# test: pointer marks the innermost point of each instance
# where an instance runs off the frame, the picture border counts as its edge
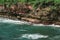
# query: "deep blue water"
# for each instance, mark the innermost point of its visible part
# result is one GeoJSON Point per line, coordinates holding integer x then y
{"type": "Point", "coordinates": [11, 31]}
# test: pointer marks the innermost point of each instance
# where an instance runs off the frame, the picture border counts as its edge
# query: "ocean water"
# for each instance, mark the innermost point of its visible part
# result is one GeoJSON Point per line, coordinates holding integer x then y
{"type": "Point", "coordinates": [20, 30]}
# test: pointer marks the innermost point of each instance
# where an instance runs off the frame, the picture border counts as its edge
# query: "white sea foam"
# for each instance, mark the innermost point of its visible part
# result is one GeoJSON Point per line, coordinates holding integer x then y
{"type": "Point", "coordinates": [53, 25]}
{"type": "Point", "coordinates": [32, 36]}
{"type": "Point", "coordinates": [5, 20]}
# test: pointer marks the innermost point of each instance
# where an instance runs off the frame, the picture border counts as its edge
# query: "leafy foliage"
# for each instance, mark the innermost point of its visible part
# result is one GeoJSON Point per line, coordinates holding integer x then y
{"type": "Point", "coordinates": [33, 2]}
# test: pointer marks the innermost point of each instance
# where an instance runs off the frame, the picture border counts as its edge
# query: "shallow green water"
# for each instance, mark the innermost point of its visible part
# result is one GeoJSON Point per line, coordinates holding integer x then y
{"type": "Point", "coordinates": [10, 31]}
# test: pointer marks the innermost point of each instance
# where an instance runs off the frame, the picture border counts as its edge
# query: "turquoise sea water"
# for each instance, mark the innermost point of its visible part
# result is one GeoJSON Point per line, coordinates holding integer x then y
{"type": "Point", "coordinates": [9, 30]}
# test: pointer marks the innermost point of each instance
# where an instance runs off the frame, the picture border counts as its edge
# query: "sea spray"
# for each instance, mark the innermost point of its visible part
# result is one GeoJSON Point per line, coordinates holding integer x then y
{"type": "Point", "coordinates": [32, 36]}
{"type": "Point", "coordinates": [6, 20]}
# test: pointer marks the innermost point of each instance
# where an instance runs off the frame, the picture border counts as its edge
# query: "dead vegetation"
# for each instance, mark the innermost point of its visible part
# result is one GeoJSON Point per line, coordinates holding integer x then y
{"type": "Point", "coordinates": [47, 12]}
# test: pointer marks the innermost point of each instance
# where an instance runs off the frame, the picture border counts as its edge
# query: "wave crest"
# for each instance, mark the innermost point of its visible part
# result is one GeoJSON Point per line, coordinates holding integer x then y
{"type": "Point", "coordinates": [32, 36]}
{"type": "Point", "coordinates": [5, 20]}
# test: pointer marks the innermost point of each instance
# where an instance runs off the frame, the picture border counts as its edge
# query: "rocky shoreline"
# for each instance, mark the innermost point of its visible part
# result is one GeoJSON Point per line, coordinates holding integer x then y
{"type": "Point", "coordinates": [43, 14]}
{"type": "Point", "coordinates": [32, 21]}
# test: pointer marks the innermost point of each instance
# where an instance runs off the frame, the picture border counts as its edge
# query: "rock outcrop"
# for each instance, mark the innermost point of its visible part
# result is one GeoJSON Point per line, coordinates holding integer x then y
{"type": "Point", "coordinates": [44, 14]}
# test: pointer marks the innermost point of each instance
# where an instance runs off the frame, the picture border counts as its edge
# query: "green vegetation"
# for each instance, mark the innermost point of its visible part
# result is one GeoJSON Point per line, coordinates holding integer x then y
{"type": "Point", "coordinates": [33, 2]}
{"type": "Point", "coordinates": [44, 10]}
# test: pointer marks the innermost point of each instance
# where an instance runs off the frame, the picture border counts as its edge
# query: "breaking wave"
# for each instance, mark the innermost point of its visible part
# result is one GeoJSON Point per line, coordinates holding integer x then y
{"type": "Point", "coordinates": [5, 20]}
{"type": "Point", "coordinates": [53, 25]}
{"type": "Point", "coordinates": [32, 36]}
